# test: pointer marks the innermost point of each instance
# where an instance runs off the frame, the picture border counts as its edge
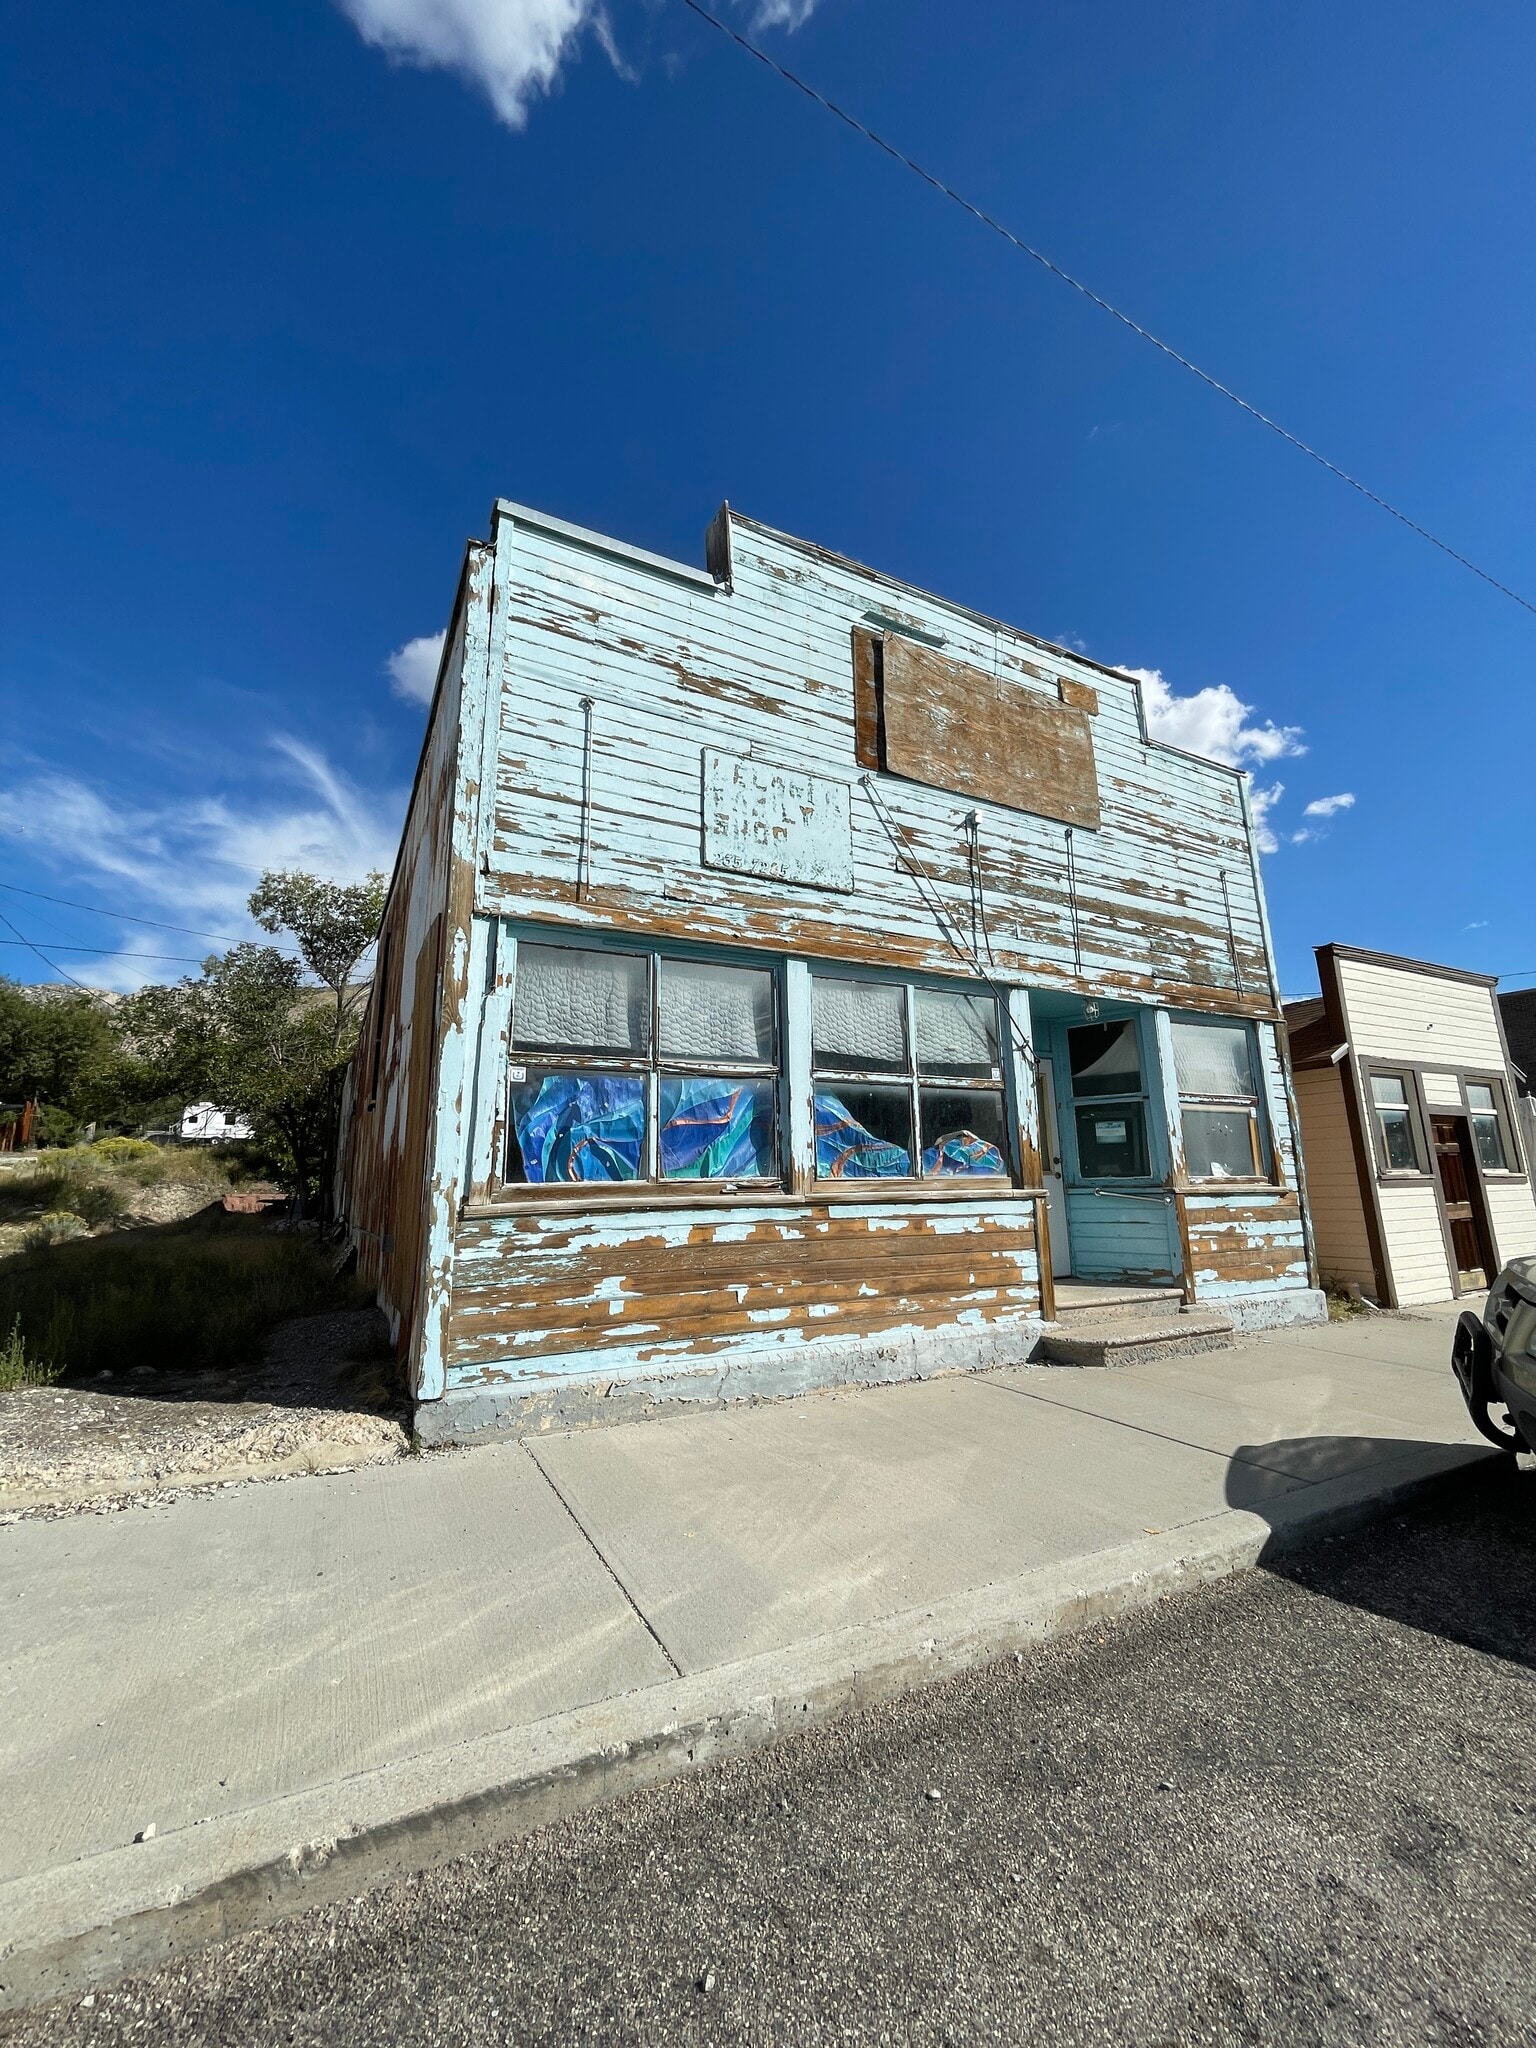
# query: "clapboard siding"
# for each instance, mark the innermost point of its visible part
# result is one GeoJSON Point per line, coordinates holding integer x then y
{"type": "Point", "coordinates": [1401, 1014]}
{"type": "Point", "coordinates": [1333, 1181]}
{"type": "Point", "coordinates": [669, 667]}
{"type": "Point", "coordinates": [1512, 1212]}
{"type": "Point", "coordinates": [537, 1295]}
{"type": "Point", "coordinates": [1410, 1222]}
{"type": "Point", "coordinates": [1240, 1245]}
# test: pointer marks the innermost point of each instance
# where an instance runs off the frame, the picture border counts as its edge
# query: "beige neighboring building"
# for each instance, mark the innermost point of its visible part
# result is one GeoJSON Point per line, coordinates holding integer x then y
{"type": "Point", "coordinates": [1416, 1172]}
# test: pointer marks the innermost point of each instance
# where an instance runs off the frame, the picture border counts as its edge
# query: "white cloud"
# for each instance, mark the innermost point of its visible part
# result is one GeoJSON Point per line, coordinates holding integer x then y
{"type": "Point", "coordinates": [1217, 723]}
{"type": "Point", "coordinates": [1214, 721]}
{"type": "Point", "coordinates": [513, 50]}
{"type": "Point", "coordinates": [413, 668]}
{"type": "Point", "coordinates": [195, 861]}
{"type": "Point", "coordinates": [1330, 806]}
{"type": "Point", "coordinates": [1261, 802]}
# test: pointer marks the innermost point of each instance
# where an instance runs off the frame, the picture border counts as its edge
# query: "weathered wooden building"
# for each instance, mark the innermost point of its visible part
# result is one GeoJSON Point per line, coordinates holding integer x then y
{"type": "Point", "coordinates": [786, 976]}
{"type": "Point", "coordinates": [1417, 1169]}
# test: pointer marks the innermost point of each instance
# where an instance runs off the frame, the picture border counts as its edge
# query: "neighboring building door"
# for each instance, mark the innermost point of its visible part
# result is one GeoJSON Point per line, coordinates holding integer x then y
{"type": "Point", "coordinates": [1461, 1200]}
{"type": "Point", "coordinates": [1050, 1170]}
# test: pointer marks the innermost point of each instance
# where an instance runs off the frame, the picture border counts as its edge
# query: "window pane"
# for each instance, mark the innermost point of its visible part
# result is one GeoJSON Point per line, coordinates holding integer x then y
{"type": "Point", "coordinates": [1112, 1142]}
{"type": "Point", "coordinates": [716, 1013]}
{"type": "Point", "coordinates": [1105, 1059]}
{"type": "Point", "coordinates": [577, 1127]}
{"type": "Point", "coordinates": [863, 1133]}
{"type": "Point", "coordinates": [963, 1130]}
{"type": "Point", "coordinates": [956, 1034]}
{"type": "Point", "coordinates": [858, 1026]}
{"type": "Point", "coordinates": [567, 1000]}
{"type": "Point", "coordinates": [1490, 1141]}
{"type": "Point", "coordinates": [1480, 1097]}
{"type": "Point", "coordinates": [1388, 1089]}
{"type": "Point", "coordinates": [1218, 1144]}
{"type": "Point", "coordinates": [1213, 1059]}
{"type": "Point", "coordinates": [716, 1129]}
{"type": "Point", "coordinates": [1398, 1140]}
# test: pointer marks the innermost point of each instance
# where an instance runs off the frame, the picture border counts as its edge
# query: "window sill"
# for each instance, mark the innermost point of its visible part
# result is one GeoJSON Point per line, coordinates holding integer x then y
{"type": "Point", "coordinates": [1401, 1177]}
{"type": "Point", "coordinates": [1234, 1184]}
{"type": "Point", "coordinates": [649, 1199]}
{"type": "Point", "coordinates": [1504, 1176]}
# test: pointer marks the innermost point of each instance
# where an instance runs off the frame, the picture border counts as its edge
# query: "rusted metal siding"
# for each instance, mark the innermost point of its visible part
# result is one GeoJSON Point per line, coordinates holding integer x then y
{"type": "Point", "coordinates": [539, 1296]}
{"type": "Point", "coordinates": [1140, 910]}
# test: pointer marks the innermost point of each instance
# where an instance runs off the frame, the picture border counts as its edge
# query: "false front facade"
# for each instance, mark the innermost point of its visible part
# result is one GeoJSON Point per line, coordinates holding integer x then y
{"type": "Point", "coordinates": [788, 977]}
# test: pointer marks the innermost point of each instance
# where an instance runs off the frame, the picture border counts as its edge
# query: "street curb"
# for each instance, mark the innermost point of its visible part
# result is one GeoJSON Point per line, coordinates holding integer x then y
{"type": "Point", "coordinates": [135, 1907]}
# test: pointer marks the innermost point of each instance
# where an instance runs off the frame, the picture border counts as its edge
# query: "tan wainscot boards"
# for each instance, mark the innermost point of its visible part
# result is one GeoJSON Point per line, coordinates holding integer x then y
{"type": "Point", "coordinates": [791, 978]}
{"type": "Point", "coordinates": [1416, 1161]}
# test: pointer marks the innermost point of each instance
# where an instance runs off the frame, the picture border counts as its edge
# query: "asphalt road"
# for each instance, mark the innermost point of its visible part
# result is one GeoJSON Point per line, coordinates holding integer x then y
{"type": "Point", "coordinates": [1299, 1807]}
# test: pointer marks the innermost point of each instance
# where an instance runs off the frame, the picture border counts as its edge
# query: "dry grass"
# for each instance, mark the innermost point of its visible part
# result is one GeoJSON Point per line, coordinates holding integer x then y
{"type": "Point", "coordinates": [182, 1296]}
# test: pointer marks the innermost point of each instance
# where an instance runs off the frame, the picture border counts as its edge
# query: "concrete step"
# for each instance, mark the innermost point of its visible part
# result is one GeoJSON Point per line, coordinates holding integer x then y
{"type": "Point", "coordinates": [1133, 1340]}
{"type": "Point", "coordinates": [1094, 1304]}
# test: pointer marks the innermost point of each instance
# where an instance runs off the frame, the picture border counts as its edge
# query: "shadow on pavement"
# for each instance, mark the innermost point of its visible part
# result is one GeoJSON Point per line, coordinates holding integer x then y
{"type": "Point", "coordinates": [1460, 1564]}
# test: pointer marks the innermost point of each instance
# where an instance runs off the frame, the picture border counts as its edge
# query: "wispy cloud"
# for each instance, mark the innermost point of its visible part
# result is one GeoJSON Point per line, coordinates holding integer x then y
{"type": "Point", "coordinates": [1330, 806]}
{"type": "Point", "coordinates": [413, 668]}
{"type": "Point", "coordinates": [1217, 723]}
{"type": "Point", "coordinates": [194, 862]}
{"type": "Point", "coordinates": [513, 50]}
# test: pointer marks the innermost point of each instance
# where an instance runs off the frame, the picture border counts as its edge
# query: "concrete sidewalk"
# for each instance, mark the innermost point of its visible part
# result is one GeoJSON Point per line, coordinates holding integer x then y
{"type": "Point", "coordinates": [304, 1684]}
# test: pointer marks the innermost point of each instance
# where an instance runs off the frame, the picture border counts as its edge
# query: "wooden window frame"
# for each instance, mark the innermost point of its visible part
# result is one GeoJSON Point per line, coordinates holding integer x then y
{"type": "Point", "coordinates": [872, 1187]}
{"type": "Point", "coordinates": [1513, 1168]}
{"type": "Point", "coordinates": [651, 1187]}
{"type": "Point", "coordinates": [1261, 1137]}
{"type": "Point", "coordinates": [1413, 1103]}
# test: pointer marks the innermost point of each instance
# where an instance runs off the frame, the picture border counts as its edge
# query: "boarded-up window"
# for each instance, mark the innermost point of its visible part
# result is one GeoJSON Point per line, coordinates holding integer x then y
{"type": "Point", "coordinates": [956, 727]}
{"type": "Point", "coordinates": [868, 714]}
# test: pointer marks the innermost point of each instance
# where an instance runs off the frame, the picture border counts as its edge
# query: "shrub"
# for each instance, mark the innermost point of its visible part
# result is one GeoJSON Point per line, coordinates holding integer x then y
{"type": "Point", "coordinates": [56, 1226]}
{"type": "Point", "coordinates": [118, 1151]}
{"type": "Point", "coordinates": [21, 1368]}
{"type": "Point", "coordinates": [63, 1184]}
{"type": "Point", "coordinates": [178, 1297]}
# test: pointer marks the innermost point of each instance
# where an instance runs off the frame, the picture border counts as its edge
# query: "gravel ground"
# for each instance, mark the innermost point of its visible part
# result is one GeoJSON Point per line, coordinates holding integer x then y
{"type": "Point", "coordinates": [320, 1398]}
{"type": "Point", "coordinates": [1294, 1808]}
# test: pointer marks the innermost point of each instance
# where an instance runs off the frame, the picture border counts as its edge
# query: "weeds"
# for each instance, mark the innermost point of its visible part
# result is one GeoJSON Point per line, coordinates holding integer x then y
{"type": "Point", "coordinates": [19, 1368]}
{"type": "Point", "coordinates": [180, 1297]}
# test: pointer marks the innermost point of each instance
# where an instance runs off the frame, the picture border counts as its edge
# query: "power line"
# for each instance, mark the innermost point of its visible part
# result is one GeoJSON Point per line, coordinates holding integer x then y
{"type": "Point", "coordinates": [53, 965]}
{"type": "Point", "coordinates": [1037, 256]}
{"type": "Point", "coordinates": [188, 959]}
{"type": "Point", "coordinates": [69, 903]}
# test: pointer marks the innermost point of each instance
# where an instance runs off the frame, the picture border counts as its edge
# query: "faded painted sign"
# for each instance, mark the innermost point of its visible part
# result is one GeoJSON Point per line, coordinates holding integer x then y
{"type": "Point", "coordinates": [775, 822]}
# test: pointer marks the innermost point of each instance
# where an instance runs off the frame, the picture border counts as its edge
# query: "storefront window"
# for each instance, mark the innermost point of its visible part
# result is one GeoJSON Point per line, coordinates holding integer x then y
{"type": "Point", "coordinates": [1219, 1099]}
{"type": "Point", "coordinates": [1109, 1101]}
{"type": "Point", "coordinates": [908, 1081]}
{"type": "Point", "coordinates": [650, 1067]}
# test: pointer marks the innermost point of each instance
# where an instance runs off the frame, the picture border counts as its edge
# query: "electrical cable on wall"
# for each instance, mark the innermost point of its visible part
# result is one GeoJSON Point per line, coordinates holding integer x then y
{"type": "Point", "coordinates": [1215, 384]}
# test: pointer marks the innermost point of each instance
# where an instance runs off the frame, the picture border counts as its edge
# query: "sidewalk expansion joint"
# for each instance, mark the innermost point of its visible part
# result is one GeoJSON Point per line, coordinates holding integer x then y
{"type": "Point", "coordinates": [634, 1605]}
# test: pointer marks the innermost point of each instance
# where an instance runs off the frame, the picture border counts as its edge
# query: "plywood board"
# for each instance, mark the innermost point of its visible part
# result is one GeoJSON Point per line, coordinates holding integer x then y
{"type": "Point", "coordinates": [956, 727]}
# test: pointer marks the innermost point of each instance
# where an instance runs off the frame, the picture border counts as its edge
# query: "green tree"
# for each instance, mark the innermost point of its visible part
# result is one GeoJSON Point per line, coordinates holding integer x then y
{"type": "Point", "coordinates": [334, 924]}
{"type": "Point", "coordinates": [58, 1048]}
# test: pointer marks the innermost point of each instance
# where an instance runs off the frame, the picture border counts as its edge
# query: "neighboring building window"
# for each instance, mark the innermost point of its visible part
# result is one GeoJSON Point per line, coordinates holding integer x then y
{"type": "Point", "coordinates": [1487, 1127]}
{"type": "Point", "coordinates": [908, 1081]}
{"type": "Point", "coordinates": [1396, 1124]}
{"type": "Point", "coordinates": [647, 1068]}
{"type": "Point", "coordinates": [1219, 1099]}
{"type": "Point", "coordinates": [1108, 1101]}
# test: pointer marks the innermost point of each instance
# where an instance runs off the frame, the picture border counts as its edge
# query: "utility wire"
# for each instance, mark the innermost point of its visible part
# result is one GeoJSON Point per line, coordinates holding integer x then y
{"type": "Point", "coordinates": [1037, 256]}
{"type": "Point", "coordinates": [188, 959]}
{"type": "Point", "coordinates": [53, 965]}
{"type": "Point", "coordinates": [69, 903]}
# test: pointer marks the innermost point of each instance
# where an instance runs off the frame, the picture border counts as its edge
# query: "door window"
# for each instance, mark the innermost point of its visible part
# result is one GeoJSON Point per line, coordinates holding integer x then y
{"type": "Point", "coordinates": [1108, 1101]}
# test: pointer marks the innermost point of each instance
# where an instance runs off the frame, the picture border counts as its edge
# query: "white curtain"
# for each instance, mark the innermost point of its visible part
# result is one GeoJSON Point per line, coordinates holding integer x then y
{"type": "Point", "coordinates": [716, 1013]}
{"type": "Point", "coordinates": [569, 1000]}
{"type": "Point", "coordinates": [858, 1024]}
{"type": "Point", "coordinates": [956, 1034]}
{"type": "Point", "coordinates": [1213, 1059]}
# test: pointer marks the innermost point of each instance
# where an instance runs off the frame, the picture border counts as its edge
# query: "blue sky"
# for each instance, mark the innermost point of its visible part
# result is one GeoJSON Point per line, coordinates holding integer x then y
{"type": "Point", "coordinates": [284, 303]}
